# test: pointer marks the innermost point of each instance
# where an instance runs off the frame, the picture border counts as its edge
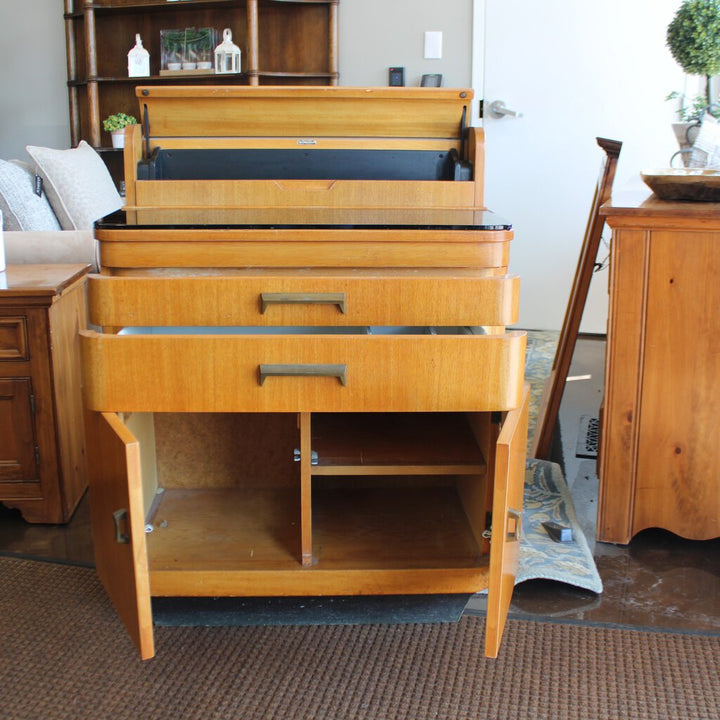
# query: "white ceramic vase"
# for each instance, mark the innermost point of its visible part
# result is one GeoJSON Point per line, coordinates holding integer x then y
{"type": "Point", "coordinates": [118, 138]}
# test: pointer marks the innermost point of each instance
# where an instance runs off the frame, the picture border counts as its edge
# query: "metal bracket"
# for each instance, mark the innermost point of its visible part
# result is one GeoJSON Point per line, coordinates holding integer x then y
{"type": "Point", "coordinates": [314, 459]}
{"type": "Point", "coordinates": [146, 129]}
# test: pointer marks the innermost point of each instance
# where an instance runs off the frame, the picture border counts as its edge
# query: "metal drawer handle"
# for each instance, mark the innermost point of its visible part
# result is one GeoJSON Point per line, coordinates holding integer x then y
{"type": "Point", "coordinates": [302, 299]}
{"type": "Point", "coordinates": [514, 524]}
{"type": "Point", "coordinates": [120, 516]}
{"type": "Point", "coordinates": [338, 371]}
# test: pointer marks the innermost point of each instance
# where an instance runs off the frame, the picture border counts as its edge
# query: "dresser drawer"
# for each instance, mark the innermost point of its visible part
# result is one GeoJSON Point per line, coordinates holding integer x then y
{"type": "Point", "coordinates": [294, 373]}
{"type": "Point", "coordinates": [13, 338]}
{"type": "Point", "coordinates": [305, 297]}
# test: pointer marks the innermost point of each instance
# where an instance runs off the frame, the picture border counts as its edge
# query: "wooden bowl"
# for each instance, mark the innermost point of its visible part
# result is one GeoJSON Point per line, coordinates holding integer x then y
{"type": "Point", "coordinates": [696, 184]}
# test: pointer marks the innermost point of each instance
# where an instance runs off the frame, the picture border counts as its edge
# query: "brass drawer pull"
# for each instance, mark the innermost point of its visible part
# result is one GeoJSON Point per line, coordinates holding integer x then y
{"type": "Point", "coordinates": [514, 524]}
{"type": "Point", "coordinates": [314, 370]}
{"type": "Point", "coordinates": [302, 299]}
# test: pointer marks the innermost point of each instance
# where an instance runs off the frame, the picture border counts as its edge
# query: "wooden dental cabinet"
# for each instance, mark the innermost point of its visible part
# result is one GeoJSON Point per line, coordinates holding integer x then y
{"type": "Point", "coordinates": [659, 461]}
{"type": "Point", "coordinates": [305, 386]}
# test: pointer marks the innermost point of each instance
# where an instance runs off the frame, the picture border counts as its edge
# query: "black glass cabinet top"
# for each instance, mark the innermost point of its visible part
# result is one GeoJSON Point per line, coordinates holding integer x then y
{"type": "Point", "coordinates": [322, 218]}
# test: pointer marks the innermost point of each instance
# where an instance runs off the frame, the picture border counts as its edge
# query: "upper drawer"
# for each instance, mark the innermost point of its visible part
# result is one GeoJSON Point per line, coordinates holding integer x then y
{"type": "Point", "coordinates": [297, 297]}
{"type": "Point", "coordinates": [13, 338]}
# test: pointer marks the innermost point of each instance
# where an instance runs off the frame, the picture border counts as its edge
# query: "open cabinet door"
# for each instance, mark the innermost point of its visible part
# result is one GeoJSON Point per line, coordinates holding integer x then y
{"type": "Point", "coordinates": [118, 524]}
{"type": "Point", "coordinates": [506, 522]}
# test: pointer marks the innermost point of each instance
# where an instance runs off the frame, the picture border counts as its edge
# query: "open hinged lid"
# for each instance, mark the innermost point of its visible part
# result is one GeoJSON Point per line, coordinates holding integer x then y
{"type": "Point", "coordinates": [296, 147]}
{"type": "Point", "coordinates": [173, 112]}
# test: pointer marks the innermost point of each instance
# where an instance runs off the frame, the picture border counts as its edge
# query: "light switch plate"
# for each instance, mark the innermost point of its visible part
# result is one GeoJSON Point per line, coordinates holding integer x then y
{"type": "Point", "coordinates": [433, 45]}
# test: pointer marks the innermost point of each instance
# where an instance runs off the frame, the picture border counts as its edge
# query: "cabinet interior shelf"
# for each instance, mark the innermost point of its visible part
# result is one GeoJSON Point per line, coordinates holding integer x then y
{"type": "Point", "coordinates": [179, 78]}
{"type": "Point", "coordinates": [389, 489]}
{"type": "Point", "coordinates": [159, 5]}
{"type": "Point", "coordinates": [254, 529]}
{"type": "Point", "coordinates": [135, 5]}
{"type": "Point", "coordinates": [394, 444]}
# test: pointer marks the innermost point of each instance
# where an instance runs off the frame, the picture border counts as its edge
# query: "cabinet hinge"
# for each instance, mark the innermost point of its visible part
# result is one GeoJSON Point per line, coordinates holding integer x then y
{"type": "Point", "coordinates": [32, 403]}
{"type": "Point", "coordinates": [313, 456]}
{"type": "Point", "coordinates": [487, 533]}
{"type": "Point", "coordinates": [37, 455]}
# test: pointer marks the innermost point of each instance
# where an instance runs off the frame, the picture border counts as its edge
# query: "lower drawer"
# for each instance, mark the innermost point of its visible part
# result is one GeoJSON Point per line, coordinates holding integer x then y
{"type": "Point", "coordinates": [298, 373]}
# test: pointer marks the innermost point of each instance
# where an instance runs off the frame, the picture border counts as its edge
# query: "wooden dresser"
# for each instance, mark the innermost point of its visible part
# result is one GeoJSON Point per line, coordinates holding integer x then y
{"type": "Point", "coordinates": [304, 384]}
{"type": "Point", "coordinates": [42, 443]}
{"type": "Point", "coordinates": [659, 461]}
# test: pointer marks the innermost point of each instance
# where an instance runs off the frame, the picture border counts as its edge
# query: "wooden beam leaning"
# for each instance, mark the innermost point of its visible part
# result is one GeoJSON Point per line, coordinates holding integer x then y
{"type": "Point", "coordinates": [555, 384]}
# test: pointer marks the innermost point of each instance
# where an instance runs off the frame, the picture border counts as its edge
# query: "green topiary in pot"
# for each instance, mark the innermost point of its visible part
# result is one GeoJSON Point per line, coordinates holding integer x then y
{"type": "Point", "coordinates": [693, 37]}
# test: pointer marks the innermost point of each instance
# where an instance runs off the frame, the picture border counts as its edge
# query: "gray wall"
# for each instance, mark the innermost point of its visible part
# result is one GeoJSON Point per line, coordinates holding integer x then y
{"type": "Point", "coordinates": [378, 34]}
{"type": "Point", "coordinates": [33, 77]}
{"type": "Point", "coordinates": [374, 35]}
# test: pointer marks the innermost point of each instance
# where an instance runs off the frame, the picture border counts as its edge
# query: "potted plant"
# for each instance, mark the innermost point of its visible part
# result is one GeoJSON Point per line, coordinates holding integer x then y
{"type": "Point", "coordinates": [115, 125]}
{"type": "Point", "coordinates": [690, 112]}
{"type": "Point", "coordinates": [172, 45]}
{"type": "Point", "coordinates": [207, 40]}
{"type": "Point", "coordinates": [693, 37]}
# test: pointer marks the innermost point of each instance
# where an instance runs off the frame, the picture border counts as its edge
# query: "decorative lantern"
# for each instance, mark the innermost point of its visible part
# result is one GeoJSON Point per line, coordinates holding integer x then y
{"type": "Point", "coordinates": [227, 55]}
{"type": "Point", "coordinates": [138, 60]}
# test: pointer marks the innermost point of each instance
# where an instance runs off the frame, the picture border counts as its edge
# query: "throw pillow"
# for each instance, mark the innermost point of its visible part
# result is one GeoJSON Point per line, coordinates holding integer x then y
{"type": "Point", "coordinates": [22, 209]}
{"type": "Point", "coordinates": [78, 185]}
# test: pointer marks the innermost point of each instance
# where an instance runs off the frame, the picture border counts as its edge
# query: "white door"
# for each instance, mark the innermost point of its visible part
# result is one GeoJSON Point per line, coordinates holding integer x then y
{"type": "Point", "coordinates": [576, 70]}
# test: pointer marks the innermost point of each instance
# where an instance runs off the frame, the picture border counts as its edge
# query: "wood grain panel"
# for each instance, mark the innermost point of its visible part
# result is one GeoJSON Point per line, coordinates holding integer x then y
{"type": "Point", "coordinates": [13, 338]}
{"type": "Point", "coordinates": [226, 450]}
{"type": "Point", "coordinates": [194, 254]}
{"type": "Point", "coordinates": [184, 373]}
{"type": "Point", "coordinates": [17, 453]}
{"type": "Point", "coordinates": [115, 487]}
{"type": "Point", "coordinates": [625, 345]}
{"type": "Point", "coordinates": [306, 112]}
{"type": "Point", "coordinates": [677, 485]}
{"type": "Point", "coordinates": [443, 299]}
{"type": "Point", "coordinates": [506, 521]}
{"type": "Point", "coordinates": [280, 194]}
{"type": "Point", "coordinates": [67, 319]}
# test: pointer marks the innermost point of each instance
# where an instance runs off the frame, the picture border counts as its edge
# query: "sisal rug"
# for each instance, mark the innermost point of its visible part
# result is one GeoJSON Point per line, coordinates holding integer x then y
{"type": "Point", "coordinates": [65, 656]}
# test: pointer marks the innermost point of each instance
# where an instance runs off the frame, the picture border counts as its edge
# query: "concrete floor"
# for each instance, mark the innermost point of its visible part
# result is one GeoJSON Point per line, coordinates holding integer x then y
{"type": "Point", "coordinates": [657, 581]}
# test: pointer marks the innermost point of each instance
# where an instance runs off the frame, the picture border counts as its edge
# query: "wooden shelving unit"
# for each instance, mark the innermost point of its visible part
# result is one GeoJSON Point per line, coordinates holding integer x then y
{"type": "Point", "coordinates": [283, 42]}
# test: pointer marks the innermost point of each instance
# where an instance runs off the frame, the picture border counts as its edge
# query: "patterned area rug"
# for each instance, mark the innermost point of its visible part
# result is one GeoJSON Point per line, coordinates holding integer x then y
{"type": "Point", "coordinates": [539, 357]}
{"type": "Point", "coordinates": [547, 498]}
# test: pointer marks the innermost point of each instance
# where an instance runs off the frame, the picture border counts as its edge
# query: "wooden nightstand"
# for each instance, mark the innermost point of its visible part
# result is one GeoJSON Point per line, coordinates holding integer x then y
{"type": "Point", "coordinates": [659, 460]}
{"type": "Point", "coordinates": [42, 451]}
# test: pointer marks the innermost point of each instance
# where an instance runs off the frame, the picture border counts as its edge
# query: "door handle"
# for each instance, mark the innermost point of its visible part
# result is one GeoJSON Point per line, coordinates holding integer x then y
{"type": "Point", "coordinates": [120, 517]}
{"type": "Point", "coordinates": [267, 299]}
{"type": "Point", "coordinates": [514, 524]}
{"type": "Point", "coordinates": [499, 110]}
